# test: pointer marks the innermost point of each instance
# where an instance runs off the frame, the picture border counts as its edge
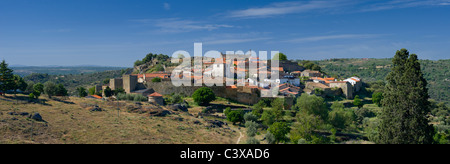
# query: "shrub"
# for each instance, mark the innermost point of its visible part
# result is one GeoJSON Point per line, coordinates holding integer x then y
{"type": "Point", "coordinates": [227, 110]}
{"type": "Point", "coordinates": [177, 98]}
{"type": "Point", "coordinates": [139, 98]}
{"type": "Point", "coordinates": [91, 91]}
{"type": "Point", "coordinates": [268, 118]}
{"type": "Point", "coordinates": [131, 97]}
{"type": "Point", "coordinates": [235, 116]}
{"type": "Point", "coordinates": [258, 108]}
{"type": "Point", "coordinates": [156, 80]}
{"type": "Point", "coordinates": [31, 96]}
{"type": "Point", "coordinates": [250, 117]}
{"type": "Point", "coordinates": [252, 141]}
{"type": "Point", "coordinates": [203, 96]}
{"type": "Point", "coordinates": [121, 96]}
{"type": "Point", "coordinates": [279, 130]}
{"type": "Point", "coordinates": [108, 92]}
{"type": "Point", "coordinates": [270, 138]}
{"type": "Point", "coordinates": [377, 97]}
{"type": "Point", "coordinates": [50, 88]}
{"type": "Point", "coordinates": [252, 128]}
{"type": "Point", "coordinates": [81, 92]}
{"type": "Point", "coordinates": [61, 90]}
{"type": "Point", "coordinates": [312, 105]}
{"type": "Point", "coordinates": [357, 102]}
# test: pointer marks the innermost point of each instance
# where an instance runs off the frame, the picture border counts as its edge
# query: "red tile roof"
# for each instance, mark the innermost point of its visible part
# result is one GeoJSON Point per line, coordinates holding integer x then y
{"type": "Point", "coordinates": [156, 94]}
{"type": "Point", "coordinates": [355, 79]}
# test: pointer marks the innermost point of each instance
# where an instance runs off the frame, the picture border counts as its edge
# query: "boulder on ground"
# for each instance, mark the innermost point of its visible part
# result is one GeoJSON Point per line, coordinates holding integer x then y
{"type": "Point", "coordinates": [216, 124]}
{"type": "Point", "coordinates": [159, 112]}
{"type": "Point", "coordinates": [96, 109]}
{"type": "Point", "coordinates": [178, 107]}
{"type": "Point", "coordinates": [36, 116]}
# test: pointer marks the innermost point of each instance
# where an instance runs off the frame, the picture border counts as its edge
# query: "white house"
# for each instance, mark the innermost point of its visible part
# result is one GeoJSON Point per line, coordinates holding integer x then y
{"type": "Point", "coordinates": [356, 83]}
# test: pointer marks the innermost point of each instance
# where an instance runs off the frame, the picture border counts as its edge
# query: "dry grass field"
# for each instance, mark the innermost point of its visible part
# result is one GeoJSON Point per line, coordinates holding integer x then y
{"type": "Point", "coordinates": [70, 122]}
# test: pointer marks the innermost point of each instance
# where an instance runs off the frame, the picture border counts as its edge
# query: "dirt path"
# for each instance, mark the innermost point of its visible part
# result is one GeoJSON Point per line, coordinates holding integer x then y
{"type": "Point", "coordinates": [240, 136]}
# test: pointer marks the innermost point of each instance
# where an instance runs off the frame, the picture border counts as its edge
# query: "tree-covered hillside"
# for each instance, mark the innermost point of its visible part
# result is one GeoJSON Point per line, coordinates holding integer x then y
{"type": "Point", "coordinates": [59, 70]}
{"type": "Point", "coordinates": [435, 72]}
{"type": "Point", "coordinates": [72, 81]}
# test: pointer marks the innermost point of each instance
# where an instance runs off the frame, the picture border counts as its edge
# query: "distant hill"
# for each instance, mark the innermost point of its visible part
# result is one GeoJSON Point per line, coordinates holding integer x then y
{"type": "Point", "coordinates": [73, 81]}
{"type": "Point", "coordinates": [435, 72]}
{"type": "Point", "coordinates": [61, 70]}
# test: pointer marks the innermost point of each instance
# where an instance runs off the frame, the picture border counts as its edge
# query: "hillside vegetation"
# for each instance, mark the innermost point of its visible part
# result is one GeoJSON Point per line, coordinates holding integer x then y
{"type": "Point", "coordinates": [435, 72]}
{"type": "Point", "coordinates": [72, 81]}
{"type": "Point", "coordinates": [60, 70]}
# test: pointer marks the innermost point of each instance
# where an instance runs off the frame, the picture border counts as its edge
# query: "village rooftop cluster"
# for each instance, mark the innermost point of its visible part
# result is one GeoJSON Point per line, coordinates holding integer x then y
{"type": "Point", "coordinates": [286, 79]}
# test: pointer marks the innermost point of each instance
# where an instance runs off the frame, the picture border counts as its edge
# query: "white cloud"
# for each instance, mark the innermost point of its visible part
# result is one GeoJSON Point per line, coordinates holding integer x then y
{"type": "Point", "coordinates": [233, 41]}
{"type": "Point", "coordinates": [177, 25]}
{"type": "Point", "coordinates": [331, 37]}
{"type": "Point", "coordinates": [276, 9]}
{"type": "Point", "coordinates": [336, 6]}
{"type": "Point", "coordinates": [396, 4]}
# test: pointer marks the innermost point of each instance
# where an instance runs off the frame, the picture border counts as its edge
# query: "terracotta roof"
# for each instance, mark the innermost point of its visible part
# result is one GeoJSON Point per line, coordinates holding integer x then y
{"type": "Point", "coordinates": [278, 68]}
{"type": "Point", "coordinates": [337, 82]}
{"type": "Point", "coordinates": [156, 94]}
{"type": "Point", "coordinates": [233, 87]}
{"type": "Point", "coordinates": [97, 96]}
{"type": "Point", "coordinates": [326, 80]}
{"type": "Point", "coordinates": [355, 79]}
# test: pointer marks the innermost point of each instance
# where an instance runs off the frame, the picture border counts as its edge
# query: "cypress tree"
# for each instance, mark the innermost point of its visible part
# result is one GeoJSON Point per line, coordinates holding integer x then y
{"type": "Point", "coordinates": [405, 104]}
{"type": "Point", "coordinates": [6, 77]}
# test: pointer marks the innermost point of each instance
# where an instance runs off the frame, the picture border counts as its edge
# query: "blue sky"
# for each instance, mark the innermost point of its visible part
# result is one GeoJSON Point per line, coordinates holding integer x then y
{"type": "Point", "coordinates": [118, 32]}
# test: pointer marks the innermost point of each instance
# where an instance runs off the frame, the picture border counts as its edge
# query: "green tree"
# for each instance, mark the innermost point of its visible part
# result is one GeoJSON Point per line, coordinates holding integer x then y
{"type": "Point", "coordinates": [203, 96]}
{"type": "Point", "coordinates": [252, 141]}
{"type": "Point", "coordinates": [236, 116]}
{"type": "Point", "coordinates": [31, 96]}
{"type": "Point", "coordinates": [377, 97]}
{"type": "Point", "coordinates": [81, 92]}
{"type": "Point", "coordinates": [118, 91]}
{"type": "Point", "coordinates": [270, 138]}
{"type": "Point", "coordinates": [61, 90]}
{"type": "Point", "coordinates": [312, 105]}
{"type": "Point", "coordinates": [138, 63]}
{"type": "Point", "coordinates": [6, 77]}
{"type": "Point", "coordinates": [227, 110]}
{"type": "Point", "coordinates": [277, 108]}
{"type": "Point", "coordinates": [252, 128]}
{"type": "Point", "coordinates": [279, 131]}
{"type": "Point", "coordinates": [91, 91]}
{"type": "Point", "coordinates": [50, 89]}
{"type": "Point", "coordinates": [280, 56]}
{"type": "Point", "coordinates": [258, 109]}
{"type": "Point", "coordinates": [305, 127]}
{"type": "Point", "coordinates": [108, 92]}
{"type": "Point", "coordinates": [19, 84]}
{"type": "Point", "coordinates": [405, 104]}
{"type": "Point", "coordinates": [250, 117]}
{"type": "Point", "coordinates": [268, 118]}
{"type": "Point", "coordinates": [341, 118]}
{"type": "Point", "coordinates": [30, 85]}
{"type": "Point", "coordinates": [39, 87]}
{"type": "Point", "coordinates": [357, 102]}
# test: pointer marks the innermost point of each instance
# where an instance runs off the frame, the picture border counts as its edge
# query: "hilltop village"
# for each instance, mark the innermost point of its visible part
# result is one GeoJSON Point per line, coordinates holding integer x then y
{"type": "Point", "coordinates": [292, 82]}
